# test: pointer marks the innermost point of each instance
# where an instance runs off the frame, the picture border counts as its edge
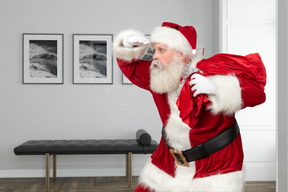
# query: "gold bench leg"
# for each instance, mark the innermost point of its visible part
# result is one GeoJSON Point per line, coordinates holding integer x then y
{"type": "Point", "coordinates": [54, 167]}
{"type": "Point", "coordinates": [129, 168]}
{"type": "Point", "coordinates": [47, 170]}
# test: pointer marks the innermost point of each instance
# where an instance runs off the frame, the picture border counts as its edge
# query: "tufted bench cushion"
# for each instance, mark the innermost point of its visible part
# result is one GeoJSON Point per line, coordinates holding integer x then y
{"type": "Point", "coordinates": [75, 147]}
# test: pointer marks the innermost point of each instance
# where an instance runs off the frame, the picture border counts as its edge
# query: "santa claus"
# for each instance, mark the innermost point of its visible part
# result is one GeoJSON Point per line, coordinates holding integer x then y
{"type": "Point", "coordinates": [200, 148]}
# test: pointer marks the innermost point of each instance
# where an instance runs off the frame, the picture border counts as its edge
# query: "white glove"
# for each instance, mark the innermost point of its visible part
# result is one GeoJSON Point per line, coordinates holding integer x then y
{"type": "Point", "coordinates": [135, 40]}
{"type": "Point", "coordinates": [201, 85]}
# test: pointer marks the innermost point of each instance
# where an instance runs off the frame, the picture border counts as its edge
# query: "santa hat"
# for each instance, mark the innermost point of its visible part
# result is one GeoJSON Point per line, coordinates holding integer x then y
{"type": "Point", "coordinates": [180, 38]}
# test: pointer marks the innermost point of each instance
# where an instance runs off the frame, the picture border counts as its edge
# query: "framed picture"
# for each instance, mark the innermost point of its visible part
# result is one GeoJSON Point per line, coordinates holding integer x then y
{"type": "Point", "coordinates": [92, 59]}
{"type": "Point", "coordinates": [149, 54]}
{"type": "Point", "coordinates": [42, 58]}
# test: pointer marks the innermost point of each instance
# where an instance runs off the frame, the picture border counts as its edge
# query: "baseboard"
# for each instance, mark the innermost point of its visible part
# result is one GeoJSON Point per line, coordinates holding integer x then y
{"type": "Point", "coordinates": [66, 173]}
{"type": "Point", "coordinates": [254, 172]}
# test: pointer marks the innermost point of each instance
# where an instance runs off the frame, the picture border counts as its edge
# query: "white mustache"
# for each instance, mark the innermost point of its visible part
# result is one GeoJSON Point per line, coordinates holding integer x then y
{"type": "Point", "coordinates": [156, 63]}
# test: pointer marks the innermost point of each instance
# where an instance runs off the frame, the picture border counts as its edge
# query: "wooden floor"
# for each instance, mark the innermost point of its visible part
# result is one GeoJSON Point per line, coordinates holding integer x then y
{"type": "Point", "coordinates": [95, 184]}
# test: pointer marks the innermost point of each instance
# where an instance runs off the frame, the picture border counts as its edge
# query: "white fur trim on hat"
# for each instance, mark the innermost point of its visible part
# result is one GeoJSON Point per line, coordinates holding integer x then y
{"type": "Point", "coordinates": [172, 38]}
{"type": "Point", "coordinates": [228, 97]}
{"type": "Point", "coordinates": [125, 53]}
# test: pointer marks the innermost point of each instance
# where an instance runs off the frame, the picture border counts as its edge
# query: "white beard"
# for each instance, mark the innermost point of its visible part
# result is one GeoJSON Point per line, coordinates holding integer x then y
{"type": "Point", "coordinates": [164, 80]}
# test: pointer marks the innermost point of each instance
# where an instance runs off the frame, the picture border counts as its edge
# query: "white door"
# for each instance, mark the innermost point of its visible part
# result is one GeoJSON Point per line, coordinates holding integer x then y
{"type": "Point", "coordinates": [249, 26]}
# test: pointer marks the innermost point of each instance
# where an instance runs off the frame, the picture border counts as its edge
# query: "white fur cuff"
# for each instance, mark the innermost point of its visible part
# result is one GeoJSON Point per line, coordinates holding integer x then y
{"type": "Point", "coordinates": [125, 53]}
{"type": "Point", "coordinates": [228, 98]}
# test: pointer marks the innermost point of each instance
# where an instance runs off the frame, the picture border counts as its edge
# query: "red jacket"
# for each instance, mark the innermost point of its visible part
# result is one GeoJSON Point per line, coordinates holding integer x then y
{"type": "Point", "coordinates": [251, 75]}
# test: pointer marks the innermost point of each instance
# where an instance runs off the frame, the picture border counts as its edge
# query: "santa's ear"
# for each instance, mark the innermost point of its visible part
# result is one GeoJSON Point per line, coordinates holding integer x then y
{"type": "Point", "coordinates": [180, 55]}
{"type": "Point", "coordinates": [183, 57]}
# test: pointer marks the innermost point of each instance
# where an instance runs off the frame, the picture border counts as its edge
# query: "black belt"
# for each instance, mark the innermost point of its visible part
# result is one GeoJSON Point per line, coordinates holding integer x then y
{"type": "Point", "coordinates": [205, 149]}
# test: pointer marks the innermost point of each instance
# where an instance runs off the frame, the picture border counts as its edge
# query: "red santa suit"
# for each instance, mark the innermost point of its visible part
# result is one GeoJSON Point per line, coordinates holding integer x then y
{"type": "Point", "coordinates": [190, 121]}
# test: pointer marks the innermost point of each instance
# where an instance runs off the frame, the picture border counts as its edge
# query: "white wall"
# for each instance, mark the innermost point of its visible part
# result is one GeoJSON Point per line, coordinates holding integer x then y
{"type": "Point", "coordinates": [81, 111]}
{"type": "Point", "coordinates": [249, 29]}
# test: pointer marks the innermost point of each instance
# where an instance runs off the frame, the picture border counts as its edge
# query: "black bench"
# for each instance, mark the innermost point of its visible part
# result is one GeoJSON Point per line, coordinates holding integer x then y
{"type": "Point", "coordinates": [142, 145]}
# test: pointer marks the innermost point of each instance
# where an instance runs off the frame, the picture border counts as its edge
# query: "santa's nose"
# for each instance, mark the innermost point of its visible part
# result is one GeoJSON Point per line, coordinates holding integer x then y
{"type": "Point", "coordinates": [155, 57]}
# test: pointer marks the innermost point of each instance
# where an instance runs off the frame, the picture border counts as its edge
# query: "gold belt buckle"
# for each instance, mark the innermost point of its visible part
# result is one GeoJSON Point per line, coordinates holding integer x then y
{"type": "Point", "coordinates": [178, 156]}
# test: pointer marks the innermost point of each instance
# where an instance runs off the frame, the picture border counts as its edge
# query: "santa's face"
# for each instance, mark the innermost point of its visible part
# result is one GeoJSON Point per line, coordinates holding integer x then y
{"type": "Point", "coordinates": [166, 69]}
{"type": "Point", "coordinates": [163, 54]}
